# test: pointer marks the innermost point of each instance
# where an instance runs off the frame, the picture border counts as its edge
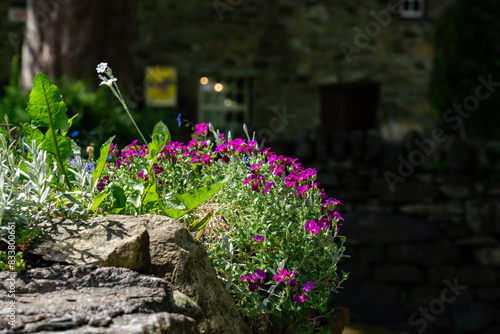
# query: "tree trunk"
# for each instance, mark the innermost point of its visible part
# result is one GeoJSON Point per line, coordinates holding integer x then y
{"type": "Point", "coordinates": [70, 37]}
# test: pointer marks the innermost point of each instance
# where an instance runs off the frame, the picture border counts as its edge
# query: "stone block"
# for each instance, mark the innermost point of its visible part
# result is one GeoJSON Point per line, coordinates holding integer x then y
{"type": "Point", "coordinates": [476, 276]}
{"type": "Point", "coordinates": [398, 274]}
{"type": "Point", "coordinates": [103, 241]}
{"type": "Point", "coordinates": [488, 256]}
{"type": "Point", "coordinates": [474, 316]}
{"type": "Point", "coordinates": [372, 254]}
{"type": "Point", "coordinates": [483, 216]}
{"type": "Point", "coordinates": [405, 192]}
{"type": "Point", "coordinates": [370, 228]}
{"type": "Point", "coordinates": [437, 275]}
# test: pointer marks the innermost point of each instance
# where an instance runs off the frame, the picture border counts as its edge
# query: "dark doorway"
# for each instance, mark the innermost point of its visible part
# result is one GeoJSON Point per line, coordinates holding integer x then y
{"type": "Point", "coordinates": [349, 107]}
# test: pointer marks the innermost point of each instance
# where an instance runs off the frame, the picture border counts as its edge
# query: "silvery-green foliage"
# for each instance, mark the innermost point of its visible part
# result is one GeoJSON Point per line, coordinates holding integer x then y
{"type": "Point", "coordinates": [28, 191]}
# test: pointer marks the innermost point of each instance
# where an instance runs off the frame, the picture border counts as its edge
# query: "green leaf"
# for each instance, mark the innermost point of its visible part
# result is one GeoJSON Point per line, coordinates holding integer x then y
{"type": "Point", "coordinates": [32, 133]}
{"type": "Point", "coordinates": [200, 223]}
{"type": "Point", "coordinates": [161, 129]}
{"type": "Point", "coordinates": [193, 199]}
{"type": "Point", "coordinates": [45, 106]}
{"type": "Point", "coordinates": [161, 135]}
{"type": "Point", "coordinates": [151, 194]}
{"type": "Point", "coordinates": [98, 200]}
{"type": "Point", "coordinates": [119, 196]}
{"type": "Point", "coordinates": [96, 174]}
{"type": "Point", "coordinates": [135, 200]}
{"type": "Point", "coordinates": [66, 145]}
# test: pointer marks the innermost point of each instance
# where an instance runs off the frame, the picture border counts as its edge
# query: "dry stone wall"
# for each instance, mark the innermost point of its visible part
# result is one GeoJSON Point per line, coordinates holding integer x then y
{"type": "Point", "coordinates": [426, 256]}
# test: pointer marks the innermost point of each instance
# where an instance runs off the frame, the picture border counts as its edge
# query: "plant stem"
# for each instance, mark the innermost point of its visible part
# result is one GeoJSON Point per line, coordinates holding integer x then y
{"type": "Point", "coordinates": [117, 93]}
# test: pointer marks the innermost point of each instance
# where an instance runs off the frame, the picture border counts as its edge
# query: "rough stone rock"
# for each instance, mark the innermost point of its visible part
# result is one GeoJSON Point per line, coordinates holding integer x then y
{"type": "Point", "coordinates": [183, 262]}
{"type": "Point", "coordinates": [92, 299]}
{"type": "Point", "coordinates": [379, 228]}
{"type": "Point", "coordinates": [156, 245]}
{"type": "Point", "coordinates": [115, 243]}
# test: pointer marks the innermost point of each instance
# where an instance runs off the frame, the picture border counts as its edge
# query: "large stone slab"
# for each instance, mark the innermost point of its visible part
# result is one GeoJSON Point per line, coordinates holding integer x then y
{"type": "Point", "coordinates": [105, 242]}
{"type": "Point", "coordinates": [92, 299]}
{"type": "Point", "coordinates": [154, 245]}
{"type": "Point", "coordinates": [183, 262]}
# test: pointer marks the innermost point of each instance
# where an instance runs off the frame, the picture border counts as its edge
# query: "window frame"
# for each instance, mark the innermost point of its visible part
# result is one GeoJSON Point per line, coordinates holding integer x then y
{"type": "Point", "coordinates": [413, 15]}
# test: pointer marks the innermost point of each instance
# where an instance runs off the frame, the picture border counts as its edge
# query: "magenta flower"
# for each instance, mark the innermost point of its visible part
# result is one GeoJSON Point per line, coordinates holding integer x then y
{"type": "Point", "coordinates": [336, 215]}
{"type": "Point", "coordinates": [202, 129]}
{"type": "Point", "coordinates": [141, 174]}
{"type": "Point", "coordinates": [283, 275]}
{"type": "Point", "coordinates": [301, 190]}
{"type": "Point", "coordinates": [258, 238]}
{"type": "Point", "coordinates": [268, 187]}
{"type": "Point", "coordinates": [205, 159]}
{"type": "Point", "coordinates": [312, 226]}
{"type": "Point", "coordinates": [290, 180]}
{"type": "Point", "coordinates": [308, 286]}
{"type": "Point", "coordinates": [259, 273]}
{"type": "Point", "coordinates": [299, 298]}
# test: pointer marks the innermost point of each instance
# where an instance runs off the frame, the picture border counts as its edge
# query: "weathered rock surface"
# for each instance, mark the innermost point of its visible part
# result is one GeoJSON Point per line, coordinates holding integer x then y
{"type": "Point", "coordinates": [110, 243]}
{"type": "Point", "coordinates": [154, 245]}
{"type": "Point", "coordinates": [92, 299]}
{"type": "Point", "coordinates": [183, 262]}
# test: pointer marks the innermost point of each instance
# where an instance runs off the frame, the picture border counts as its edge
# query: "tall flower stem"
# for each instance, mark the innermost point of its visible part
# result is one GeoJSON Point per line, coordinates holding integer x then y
{"type": "Point", "coordinates": [117, 93]}
{"type": "Point", "coordinates": [111, 83]}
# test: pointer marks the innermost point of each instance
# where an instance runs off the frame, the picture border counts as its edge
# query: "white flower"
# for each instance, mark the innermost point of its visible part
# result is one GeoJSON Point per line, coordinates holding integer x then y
{"type": "Point", "coordinates": [101, 68]}
{"type": "Point", "coordinates": [108, 82]}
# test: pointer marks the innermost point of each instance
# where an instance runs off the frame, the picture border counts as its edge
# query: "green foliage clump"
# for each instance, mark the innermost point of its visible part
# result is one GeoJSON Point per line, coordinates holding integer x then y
{"type": "Point", "coordinates": [467, 46]}
{"type": "Point", "coordinates": [271, 233]}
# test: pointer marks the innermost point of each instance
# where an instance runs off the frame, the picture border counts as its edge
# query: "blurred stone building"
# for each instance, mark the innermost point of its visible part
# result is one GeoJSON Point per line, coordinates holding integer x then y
{"type": "Point", "coordinates": [288, 69]}
{"type": "Point", "coordinates": [296, 68]}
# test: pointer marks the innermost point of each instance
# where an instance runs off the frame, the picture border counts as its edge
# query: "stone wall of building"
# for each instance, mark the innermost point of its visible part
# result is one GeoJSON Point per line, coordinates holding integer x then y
{"type": "Point", "coordinates": [292, 48]}
{"type": "Point", "coordinates": [425, 255]}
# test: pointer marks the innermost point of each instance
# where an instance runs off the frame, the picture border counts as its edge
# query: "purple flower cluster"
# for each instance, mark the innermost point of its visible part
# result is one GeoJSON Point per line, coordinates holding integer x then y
{"type": "Point", "coordinates": [102, 183]}
{"type": "Point", "coordinates": [201, 129]}
{"type": "Point", "coordinates": [288, 278]}
{"type": "Point", "coordinates": [258, 238]}
{"type": "Point", "coordinates": [254, 282]}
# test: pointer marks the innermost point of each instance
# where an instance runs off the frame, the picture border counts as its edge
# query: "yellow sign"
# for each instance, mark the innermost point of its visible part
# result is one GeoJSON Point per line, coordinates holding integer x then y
{"type": "Point", "coordinates": [161, 86]}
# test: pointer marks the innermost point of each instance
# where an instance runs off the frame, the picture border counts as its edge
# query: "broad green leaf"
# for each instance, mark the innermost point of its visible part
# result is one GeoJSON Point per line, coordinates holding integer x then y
{"type": "Point", "coordinates": [96, 174]}
{"type": "Point", "coordinates": [32, 133]}
{"type": "Point", "coordinates": [161, 129]}
{"type": "Point", "coordinates": [45, 105]}
{"type": "Point", "coordinates": [65, 145]}
{"type": "Point", "coordinates": [137, 185]}
{"type": "Point", "coordinates": [160, 137]}
{"type": "Point", "coordinates": [135, 200]}
{"type": "Point", "coordinates": [119, 196]}
{"type": "Point", "coordinates": [193, 199]}
{"type": "Point", "coordinates": [151, 194]}
{"type": "Point", "coordinates": [98, 200]}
